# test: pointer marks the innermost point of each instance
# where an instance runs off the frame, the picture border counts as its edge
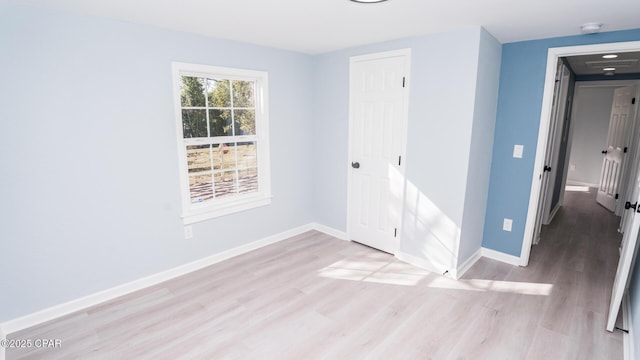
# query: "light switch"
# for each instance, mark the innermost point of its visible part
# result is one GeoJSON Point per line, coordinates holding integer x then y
{"type": "Point", "coordinates": [506, 224]}
{"type": "Point", "coordinates": [517, 151]}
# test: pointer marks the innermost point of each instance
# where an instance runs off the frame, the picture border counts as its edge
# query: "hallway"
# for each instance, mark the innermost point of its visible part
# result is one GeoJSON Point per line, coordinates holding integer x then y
{"type": "Point", "coordinates": [578, 253]}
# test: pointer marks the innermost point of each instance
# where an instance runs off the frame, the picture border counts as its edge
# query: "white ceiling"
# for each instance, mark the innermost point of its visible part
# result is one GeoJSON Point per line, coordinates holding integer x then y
{"type": "Point", "coordinates": [317, 26]}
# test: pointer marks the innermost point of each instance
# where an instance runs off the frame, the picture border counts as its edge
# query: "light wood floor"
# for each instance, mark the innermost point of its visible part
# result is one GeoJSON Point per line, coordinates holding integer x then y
{"type": "Point", "coordinates": [313, 296]}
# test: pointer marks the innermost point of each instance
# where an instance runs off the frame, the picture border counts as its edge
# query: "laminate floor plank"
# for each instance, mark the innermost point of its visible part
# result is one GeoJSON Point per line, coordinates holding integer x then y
{"type": "Point", "coordinates": [315, 297]}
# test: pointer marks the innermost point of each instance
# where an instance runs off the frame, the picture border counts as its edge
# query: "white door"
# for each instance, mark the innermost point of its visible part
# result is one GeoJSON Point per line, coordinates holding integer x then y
{"type": "Point", "coordinates": [378, 93]}
{"type": "Point", "coordinates": [546, 192]}
{"type": "Point", "coordinates": [629, 241]}
{"type": "Point", "coordinates": [616, 143]}
{"type": "Point", "coordinates": [555, 142]}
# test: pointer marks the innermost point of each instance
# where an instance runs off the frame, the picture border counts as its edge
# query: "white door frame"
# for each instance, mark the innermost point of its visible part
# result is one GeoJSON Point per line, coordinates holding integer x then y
{"type": "Point", "coordinates": [543, 131]}
{"type": "Point", "coordinates": [405, 121]}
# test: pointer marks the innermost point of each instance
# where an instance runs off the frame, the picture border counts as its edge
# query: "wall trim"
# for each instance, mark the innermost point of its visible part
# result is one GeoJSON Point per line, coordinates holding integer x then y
{"type": "Point", "coordinates": [581, 183]}
{"type": "Point", "coordinates": [627, 338]}
{"type": "Point", "coordinates": [338, 234]}
{"type": "Point", "coordinates": [500, 256]}
{"type": "Point", "coordinates": [63, 309]}
{"type": "Point", "coordinates": [468, 264]}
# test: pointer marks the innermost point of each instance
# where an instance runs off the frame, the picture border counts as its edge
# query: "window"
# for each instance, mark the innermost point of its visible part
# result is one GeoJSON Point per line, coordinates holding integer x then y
{"type": "Point", "coordinates": [222, 127]}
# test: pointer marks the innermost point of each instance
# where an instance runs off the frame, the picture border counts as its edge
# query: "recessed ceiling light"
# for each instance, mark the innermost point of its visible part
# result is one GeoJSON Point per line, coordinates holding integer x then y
{"type": "Point", "coordinates": [609, 56]}
{"type": "Point", "coordinates": [609, 69]}
{"type": "Point", "coordinates": [368, 1]}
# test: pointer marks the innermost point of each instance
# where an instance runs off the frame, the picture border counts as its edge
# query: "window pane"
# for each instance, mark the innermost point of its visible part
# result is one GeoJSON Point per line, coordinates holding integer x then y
{"type": "Point", "coordinates": [192, 91]}
{"type": "Point", "coordinates": [194, 123]}
{"type": "Point", "coordinates": [245, 122]}
{"type": "Point", "coordinates": [225, 156]}
{"type": "Point", "coordinates": [243, 94]}
{"type": "Point", "coordinates": [225, 184]}
{"type": "Point", "coordinates": [220, 122]}
{"type": "Point", "coordinates": [218, 93]}
{"type": "Point", "coordinates": [198, 158]}
{"type": "Point", "coordinates": [247, 155]}
{"type": "Point", "coordinates": [248, 180]}
{"type": "Point", "coordinates": [217, 157]}
{"type": "Point", "coordinates": [200, 188]}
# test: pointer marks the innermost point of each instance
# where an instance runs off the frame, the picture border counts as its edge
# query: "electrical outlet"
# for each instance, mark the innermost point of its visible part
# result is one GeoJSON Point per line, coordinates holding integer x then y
{"type": "Point", "coordinates": [517, 151]}
{"type": "Point", "coordinates": [188, 232]}
{"type": "Point", "coordinates": [506, 224]}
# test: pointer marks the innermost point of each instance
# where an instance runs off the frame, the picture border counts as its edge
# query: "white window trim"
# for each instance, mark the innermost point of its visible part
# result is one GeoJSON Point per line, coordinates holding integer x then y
{"type": "Point", "coordinates": [192, 213]}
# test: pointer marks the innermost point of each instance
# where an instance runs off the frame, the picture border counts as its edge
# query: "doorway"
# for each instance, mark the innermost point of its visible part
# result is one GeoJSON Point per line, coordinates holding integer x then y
{"type": "Point", "coordinates": [621, 175]}
{"type": "Point", "coordinates": [545, 125]}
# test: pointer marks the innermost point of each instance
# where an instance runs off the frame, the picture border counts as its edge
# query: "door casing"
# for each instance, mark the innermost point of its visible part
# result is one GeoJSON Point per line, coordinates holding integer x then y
{"type": "Point", "coordinates": [543, 131]}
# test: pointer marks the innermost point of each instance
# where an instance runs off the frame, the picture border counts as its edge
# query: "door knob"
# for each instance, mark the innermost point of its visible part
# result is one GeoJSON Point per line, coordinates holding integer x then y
{"type": "Point", "coordinates": [628, 205]}
{"type": "Point", "coordinates": [604, 151]}
{"type": "Point", "coordinates": [355, 165]}
{"type": "Point", "coordinates": [547, 168]}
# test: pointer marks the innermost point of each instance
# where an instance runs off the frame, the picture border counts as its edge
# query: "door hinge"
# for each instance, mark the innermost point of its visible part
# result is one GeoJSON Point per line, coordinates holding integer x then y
{"type": "Point", "coordinates": [633, 101]}
{"type": "Point", "coordinates": [623, 330]}
{"type": "Point", "coordinates": [625, 149]}
{"type": "Point", "coordinates": [616, 197]}
{"type": "Point", "coordinates": [399, 160]}
{"type": "Point", "coordinates": [403, 81]}
{"type": "Point", "coordinates": [395, 232]}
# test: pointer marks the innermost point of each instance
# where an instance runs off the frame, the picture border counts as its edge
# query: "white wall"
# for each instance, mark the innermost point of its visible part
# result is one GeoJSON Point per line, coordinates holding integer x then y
{"type": "Point", "coordinates": [442, 110]}
{"type": "Point", "coordinates": [90, 189]}
{"type": "Point", "coordinates": [590, 124]}
{"type": "Point", "coordinates": [481, 147]}
{"type": "Point", "coordinates": [89, 180]}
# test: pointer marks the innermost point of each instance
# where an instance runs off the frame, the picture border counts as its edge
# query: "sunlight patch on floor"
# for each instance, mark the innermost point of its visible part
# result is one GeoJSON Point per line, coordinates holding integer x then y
{"type": "Point", "coordinates": [577, 188]}
{"type": "Point", "coordinates": [391, 273]}
{"type": "Point", "coordinates": [399, 273]}
{"type": "Point", "coordinates": [524, 288]}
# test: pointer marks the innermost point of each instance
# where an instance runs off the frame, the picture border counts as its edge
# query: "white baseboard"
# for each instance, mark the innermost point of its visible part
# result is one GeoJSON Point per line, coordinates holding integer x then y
{"type": "Point", "coordinates": [627, 338]}
{"type": "Point", "coordinates": [57, 311]}
{"type": "Point", "coordinates": [330, 231]}
{"type": "Point", "coordinates": [422, 263]}
{"type": "Point", "coordinates": [500, 256]}
{"type": "Point", "coordinates": [582, 183]}
{"type": "Point", "coordinates": [468, 264]}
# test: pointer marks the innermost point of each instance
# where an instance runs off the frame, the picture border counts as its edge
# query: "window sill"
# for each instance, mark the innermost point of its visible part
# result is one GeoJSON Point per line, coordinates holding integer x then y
{"type": "Point", "coordinates": [196, 216]}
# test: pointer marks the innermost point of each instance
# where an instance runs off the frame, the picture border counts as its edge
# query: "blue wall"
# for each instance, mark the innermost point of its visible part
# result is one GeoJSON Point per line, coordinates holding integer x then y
{"type": "Point", "coordinates": [519, 107]}
{"type": "Point", "coordinates": [89, 181]}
